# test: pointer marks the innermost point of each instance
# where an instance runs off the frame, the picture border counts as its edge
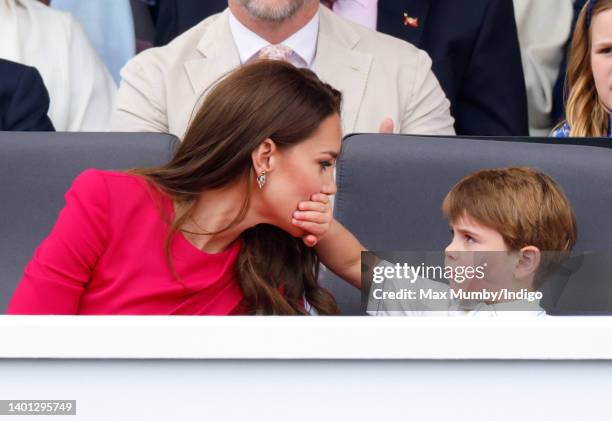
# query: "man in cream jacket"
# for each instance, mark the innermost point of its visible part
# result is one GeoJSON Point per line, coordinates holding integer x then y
{"type": "Point", "coordinates": [387, 84]}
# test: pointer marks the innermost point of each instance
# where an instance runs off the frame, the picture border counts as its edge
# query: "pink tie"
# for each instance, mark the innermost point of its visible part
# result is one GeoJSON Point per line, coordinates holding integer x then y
{"type": "Point", "coordinates": [276, 52]}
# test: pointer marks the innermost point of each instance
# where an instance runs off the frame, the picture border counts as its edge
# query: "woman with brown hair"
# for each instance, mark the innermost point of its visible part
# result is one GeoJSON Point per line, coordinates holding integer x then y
{"type": "Point", "coordinates": [226, 227]}
{"type": "Point", "coordinates": [589, 75]}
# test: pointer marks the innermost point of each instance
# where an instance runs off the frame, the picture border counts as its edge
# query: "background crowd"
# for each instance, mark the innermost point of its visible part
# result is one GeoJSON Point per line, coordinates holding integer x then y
{"type": "Point", "coordinates": [487, 68]}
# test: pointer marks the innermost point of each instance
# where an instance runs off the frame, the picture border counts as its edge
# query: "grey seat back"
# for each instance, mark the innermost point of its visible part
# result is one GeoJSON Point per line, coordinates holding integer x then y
{"type": "Point", "coordinates": [36, 169]}
{"type": "Point", "coordinates": [391, 187]}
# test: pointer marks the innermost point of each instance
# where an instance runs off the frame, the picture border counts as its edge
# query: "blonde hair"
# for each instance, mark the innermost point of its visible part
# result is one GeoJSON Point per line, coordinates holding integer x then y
{"type": "Point", "coordinates": [586, 114]}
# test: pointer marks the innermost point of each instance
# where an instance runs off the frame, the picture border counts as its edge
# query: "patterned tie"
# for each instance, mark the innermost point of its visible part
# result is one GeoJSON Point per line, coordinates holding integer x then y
{"type": "Point", "coordinates": [276, 52]}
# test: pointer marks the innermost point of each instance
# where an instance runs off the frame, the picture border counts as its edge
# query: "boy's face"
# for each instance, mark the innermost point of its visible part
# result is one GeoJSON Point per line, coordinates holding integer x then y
{"type": "Point", "coordinates": [469, 235]}
{"type": "Point", "coordinates": [476, 245]}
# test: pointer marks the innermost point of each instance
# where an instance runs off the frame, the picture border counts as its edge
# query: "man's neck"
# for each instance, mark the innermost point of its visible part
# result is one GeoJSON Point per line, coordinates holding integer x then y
{"type": "Point", "coordinates": [275, 32]}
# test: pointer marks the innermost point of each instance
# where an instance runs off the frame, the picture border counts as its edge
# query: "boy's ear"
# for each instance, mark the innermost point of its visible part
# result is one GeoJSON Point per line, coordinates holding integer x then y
{"type": "Point", "coordinates": [264, 156]}
{"type": "Point", "coordinates": [528, 262]}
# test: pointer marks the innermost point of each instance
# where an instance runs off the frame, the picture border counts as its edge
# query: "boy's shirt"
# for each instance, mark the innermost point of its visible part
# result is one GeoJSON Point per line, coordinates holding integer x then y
{"type": "Point", "coordinates": [443, 307]}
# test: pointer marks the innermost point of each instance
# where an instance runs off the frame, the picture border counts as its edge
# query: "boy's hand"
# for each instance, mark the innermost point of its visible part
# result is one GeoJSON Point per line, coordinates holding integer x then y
{"type": "Point", "coordinates": [314, 217]}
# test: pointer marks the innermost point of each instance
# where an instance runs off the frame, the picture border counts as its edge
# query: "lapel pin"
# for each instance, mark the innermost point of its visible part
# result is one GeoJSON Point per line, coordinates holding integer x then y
{"type": "Point", "coordinates": [410, 21]}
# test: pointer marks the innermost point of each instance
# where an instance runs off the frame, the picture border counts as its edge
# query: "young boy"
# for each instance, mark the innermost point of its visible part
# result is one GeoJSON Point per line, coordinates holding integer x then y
{"type": "Point", "coordinates": [512, 226]}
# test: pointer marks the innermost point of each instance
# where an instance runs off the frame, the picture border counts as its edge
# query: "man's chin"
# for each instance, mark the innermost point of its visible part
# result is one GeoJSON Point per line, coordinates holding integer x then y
{"type": "Point", "coordinates": [262, 11]}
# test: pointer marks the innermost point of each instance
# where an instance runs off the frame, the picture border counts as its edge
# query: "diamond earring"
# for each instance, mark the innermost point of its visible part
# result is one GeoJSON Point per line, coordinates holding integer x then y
{"type": "Point", "coordinates": [261, 179]}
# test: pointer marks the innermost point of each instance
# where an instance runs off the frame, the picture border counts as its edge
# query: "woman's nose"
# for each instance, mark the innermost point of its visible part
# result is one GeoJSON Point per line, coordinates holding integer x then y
{"type": "Point", "coordinates": [330, 187]}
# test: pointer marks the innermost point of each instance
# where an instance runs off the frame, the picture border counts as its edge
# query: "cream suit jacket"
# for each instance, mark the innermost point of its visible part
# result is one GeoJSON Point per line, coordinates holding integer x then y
{"type": "Point", "coordinates": [379, 77]}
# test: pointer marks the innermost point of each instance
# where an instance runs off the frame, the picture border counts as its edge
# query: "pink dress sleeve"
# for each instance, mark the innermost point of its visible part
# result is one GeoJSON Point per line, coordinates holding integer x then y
{"type": "Point", "coordinates": [62, 265]}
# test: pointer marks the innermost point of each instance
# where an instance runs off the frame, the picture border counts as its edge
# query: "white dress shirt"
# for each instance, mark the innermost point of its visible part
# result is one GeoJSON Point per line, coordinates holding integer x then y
{"type": "Point", "coordinates": [303, 42]}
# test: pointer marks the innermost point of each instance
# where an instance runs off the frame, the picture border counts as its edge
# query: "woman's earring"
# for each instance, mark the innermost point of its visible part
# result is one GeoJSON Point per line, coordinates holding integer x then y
{"type": "Point", "coordinates": [261, 180]}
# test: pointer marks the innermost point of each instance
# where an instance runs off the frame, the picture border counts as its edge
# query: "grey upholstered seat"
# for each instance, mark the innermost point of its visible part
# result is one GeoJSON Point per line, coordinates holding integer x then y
{"type": "Point", "coordinates": [390, 190]}
{"type": "Point", "coordinates": [36, 169]}
{"type": "Point", "coordinates": [391, 187]}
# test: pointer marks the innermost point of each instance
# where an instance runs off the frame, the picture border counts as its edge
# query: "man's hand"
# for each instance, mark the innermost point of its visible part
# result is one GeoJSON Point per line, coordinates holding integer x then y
{"type": "Point", "coordinates": [386, 126]}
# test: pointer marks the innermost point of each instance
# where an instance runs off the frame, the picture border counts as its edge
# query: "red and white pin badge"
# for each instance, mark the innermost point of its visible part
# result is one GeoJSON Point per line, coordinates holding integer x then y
{"type": "Point", "coordinates": [410, 21]}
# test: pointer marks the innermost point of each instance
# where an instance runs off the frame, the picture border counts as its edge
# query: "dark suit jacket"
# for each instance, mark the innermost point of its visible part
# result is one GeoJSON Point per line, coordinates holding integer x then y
{"type": "Point", "coordinates": [24, 100]}
{"type": "Point", "coordinates": [476, 57]}
{"type": "Point", "coordinates": [172, 20]}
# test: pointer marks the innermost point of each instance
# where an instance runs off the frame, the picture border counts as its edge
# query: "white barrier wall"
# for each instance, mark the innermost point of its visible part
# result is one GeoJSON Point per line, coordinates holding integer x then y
{"type": "Point", "coordinates": [315, 390]}
{"type": "Point", "coordinates": [199, 368]}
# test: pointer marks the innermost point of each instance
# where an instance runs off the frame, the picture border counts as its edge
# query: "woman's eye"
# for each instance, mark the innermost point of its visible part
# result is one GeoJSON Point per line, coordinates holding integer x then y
{"type": "Point", "coordinates": [469, 239]}
{"type": "Point", "coordinates": [325, 164]}
{"type": "Point", "coordinates": [605, 50]}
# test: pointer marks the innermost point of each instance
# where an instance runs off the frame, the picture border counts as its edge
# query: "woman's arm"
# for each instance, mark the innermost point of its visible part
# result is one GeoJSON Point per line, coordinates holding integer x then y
{"type": "Point", "coordinates": [55, 278]}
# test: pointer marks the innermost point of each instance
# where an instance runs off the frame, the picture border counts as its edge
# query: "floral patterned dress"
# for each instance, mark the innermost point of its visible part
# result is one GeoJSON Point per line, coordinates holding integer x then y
{"type": "Point", "coordinates": [564, 130]}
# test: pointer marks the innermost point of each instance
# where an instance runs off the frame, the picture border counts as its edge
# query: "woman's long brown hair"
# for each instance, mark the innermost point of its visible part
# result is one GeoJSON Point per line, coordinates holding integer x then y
{"type": "Point", "coordinates": [266, 99]}
{"type": "Point", "coordinates": [585, 113]}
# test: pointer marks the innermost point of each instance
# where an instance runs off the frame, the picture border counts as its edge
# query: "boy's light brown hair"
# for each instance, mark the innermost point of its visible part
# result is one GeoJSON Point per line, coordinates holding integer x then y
{"type": "Point", "coordinates": [525, 206]}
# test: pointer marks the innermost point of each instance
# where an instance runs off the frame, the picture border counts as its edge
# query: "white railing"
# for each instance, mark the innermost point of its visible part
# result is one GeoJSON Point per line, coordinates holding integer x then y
{"type": "Point", "coordinates": [135, 337]}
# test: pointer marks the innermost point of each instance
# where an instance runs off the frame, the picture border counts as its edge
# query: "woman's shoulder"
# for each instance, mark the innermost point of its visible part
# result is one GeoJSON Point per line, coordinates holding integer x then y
{"type": "Point", "coordinates": [118, 193]}
{"type": "Point", "coordinates": [562, 131]}
{"type": "Point", "coordinates": [92, 177]}
{"type": "Point", "coordinates": [121, 186]}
